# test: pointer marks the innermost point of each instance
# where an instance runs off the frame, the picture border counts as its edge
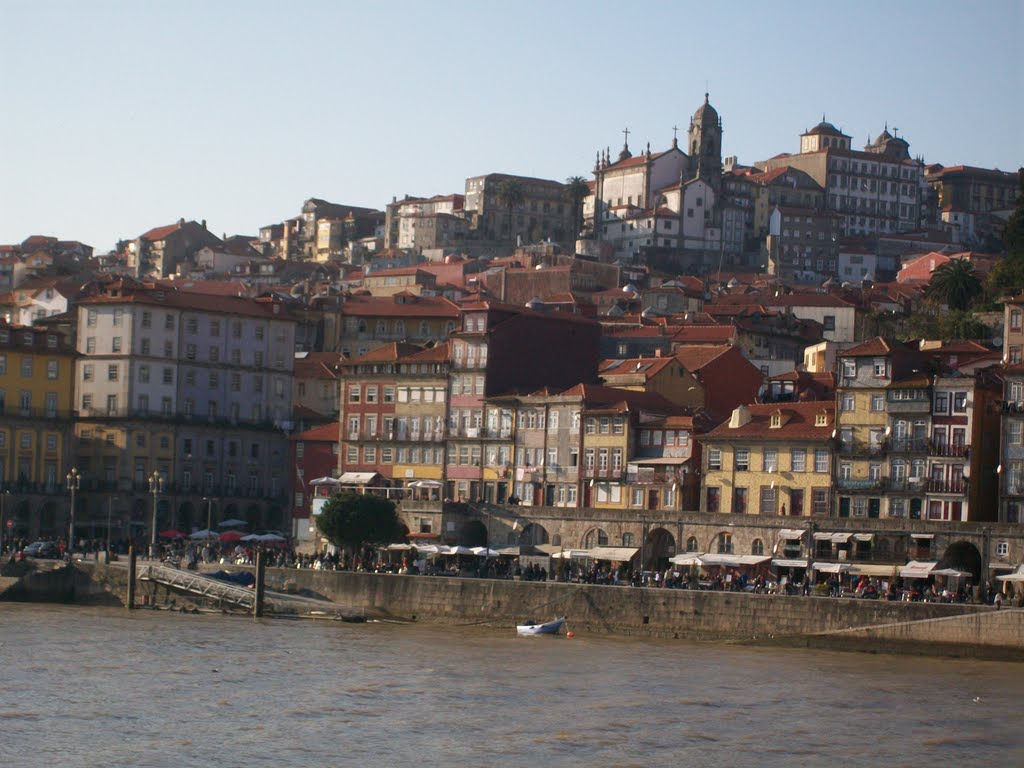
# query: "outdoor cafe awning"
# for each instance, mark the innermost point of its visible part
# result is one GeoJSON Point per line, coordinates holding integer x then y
{"type": "Point", "coordinates": [617, 554]}
{"type": "Point", "coordinates": [783, 562]}
{"type": "Point", "coordinates": [868, 569]}
{"type": "Point", "coordinates": [789, 534]}
{"type": "Point", "coordinates": [1017, 575]}
{"type": "Point", "coordinates": [357, 478]}
{"type": "Point", "coordinates": [833, 536]}
{"type": "Point", "coordinates": [687, 558]}
{"type": "Point", "coordinates": [571, 554]}
{"type": "Point", "coordinates": [922, 535]}
{"type": "Point", "coordinates": [712, 559]}
{"type": "Point", "coordinates": [325, 481]}
{"type": "Point", "coordinates": [831, 567]}
{"type": "Point", "coordinates": [916, 569]}
{"type": "Point", "coordinates": [424, 483]}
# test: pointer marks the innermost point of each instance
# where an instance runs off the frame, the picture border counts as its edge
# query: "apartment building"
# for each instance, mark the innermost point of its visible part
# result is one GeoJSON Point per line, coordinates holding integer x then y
{"type": "Point", "coordinates": [36, 385]}
{"type": "Point", "coordinates": [196, 388]}
{"type": "Point", "coordinates": [773, 459]}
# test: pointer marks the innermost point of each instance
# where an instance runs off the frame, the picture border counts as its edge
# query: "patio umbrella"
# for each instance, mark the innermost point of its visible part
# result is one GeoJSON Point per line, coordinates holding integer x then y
{"type": "Point", "coordinates": [251, 537]}
{"type": "Point", "coordinates": [232, 523]}
{"type": "Point", "coordinates": [271, 538]}
{"type": "Point", "coordinates": [203, 535]}
{"type": "Point", "coordinates": [229, 536]}
{"type": "Point", "coordinates": [459, 550]}
{"type": "Point", "coordinates": [171, 534]}
{"type": "Point", "coordinates": [484, 552]}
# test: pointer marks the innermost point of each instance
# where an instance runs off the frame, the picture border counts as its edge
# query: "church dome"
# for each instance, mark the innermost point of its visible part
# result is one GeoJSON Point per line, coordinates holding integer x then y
{"type": "Point", "coordinates": [883, 137]}
{"type": "Point", "coordinates": [824, 127]}
{"type": "Point", "coordinates": [705, 113]}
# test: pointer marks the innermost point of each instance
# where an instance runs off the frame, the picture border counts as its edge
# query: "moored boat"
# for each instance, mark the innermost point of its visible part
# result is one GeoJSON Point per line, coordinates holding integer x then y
{"type": "Point", "coordinates": [552, 627]}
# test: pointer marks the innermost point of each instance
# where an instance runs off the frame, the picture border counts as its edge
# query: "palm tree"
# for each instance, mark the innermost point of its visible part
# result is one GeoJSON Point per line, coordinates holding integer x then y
{"type": "Point", "coordinates": [510, 193]}
{"type": "Point", "coordinates": [955, 284]}
{"type": "Point", "coordinates": [576, 190]}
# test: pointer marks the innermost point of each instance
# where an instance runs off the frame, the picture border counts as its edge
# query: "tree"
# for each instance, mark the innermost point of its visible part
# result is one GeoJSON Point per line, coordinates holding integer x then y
{"type": "Point", "coordinates": [955, 284]}
{"type": "Point", "coordinates": [511, 195]}
{"type": "Point", "coordinates": [576, 190]}
{"type": "Point", "coordinates": [351, 520]}
{"type": "Point", "coordinates": [1013, 235]}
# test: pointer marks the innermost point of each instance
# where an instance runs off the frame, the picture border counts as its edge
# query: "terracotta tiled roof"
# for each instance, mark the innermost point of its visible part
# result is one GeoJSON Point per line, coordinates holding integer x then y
{"type": "Point", "coordinates": [386, 306]}
{"type": "Point", "coordinates": [329, 433]}
{"type": "Point", "coordinates": [798, 422]}
{"type": "Point", "coordinates": [695, 357]}
{"type": "Point", "coordinates": [705, 334]}
{"type": "Point", "coordinates": [317, 365]}
{"type": "Point", "coordinates": [875, 346]}
{"type": "Point", "coordinates": [160, 233]}
{"type": "Point", "coordinates": [648, 366]}
{"type": "Point", "coordinates": [184, 300]}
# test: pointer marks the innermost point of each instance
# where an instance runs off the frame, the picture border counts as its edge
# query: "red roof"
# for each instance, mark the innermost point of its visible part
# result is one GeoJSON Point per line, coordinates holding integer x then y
{"type": "Point", "coordinates": [160, 233]}
{"type": "Point", "coordinates": [648, 366]}
{"type": "Point", "coordinates": [695, 357]}
{"type": "Point", "coordinates": [876, 346]}
{"type": "Point", "coordinates": [386, 306]}
{"type": "Point", "coordinates": [326, 432]}
{"type": "Point", "coordinates": [798, 422]}
{"type": "Point", "coordinates": [706, 334]}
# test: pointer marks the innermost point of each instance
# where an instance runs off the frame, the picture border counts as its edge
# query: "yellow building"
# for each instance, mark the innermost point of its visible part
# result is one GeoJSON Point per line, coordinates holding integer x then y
{"type": "Point", "coordinates": [36, 386]}
{"type": "Point", "coordinates": [664, 376]}
{"type": "Point", "coordinates": [770, 460]}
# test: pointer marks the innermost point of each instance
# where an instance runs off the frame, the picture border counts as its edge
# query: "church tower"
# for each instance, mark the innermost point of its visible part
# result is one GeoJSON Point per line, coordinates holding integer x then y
{"type": "Point", "coordinates": [705, 145]}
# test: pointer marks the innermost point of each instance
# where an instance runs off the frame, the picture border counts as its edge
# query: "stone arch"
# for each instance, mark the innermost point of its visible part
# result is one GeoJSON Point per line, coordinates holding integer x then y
{"type": "Point", "coordinates": [757, 547]}
{"type": "Point", "coordinates": [659, 547]}
{"type": "Point", "coordinates": [692, 545]}
{"type": "Point", "coordinates": [473, 533]}
{"type": "Point", "coordinates": [254, 516]}
{"type": "Point", "coordinates": [556, 540]}
{"type": "Point", "coordinates": [533, 534]}
{"type": "Point", "coordinates": [723, 543]}
{"type": "Point", "coordinates": [595, 537]}
{"type": "Point", "coordinates": [964, 556]}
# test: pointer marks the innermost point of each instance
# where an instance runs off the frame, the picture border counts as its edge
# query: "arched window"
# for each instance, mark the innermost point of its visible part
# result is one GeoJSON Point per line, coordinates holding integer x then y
{"type": "Point", "coordinates": [627, 539]}
{"type": "Point", "coordinates": [556, 540]}
{"type": "Point", "coordinates": [362, 326]}
{"type": "Point", "coordinates": [724, 542]}
{"type": "Point", "coordinates": [596, 537]}
{"type": "Point", "coordinates": [757, 548]}
{"type": "Point", "coordinates": [691, 544]}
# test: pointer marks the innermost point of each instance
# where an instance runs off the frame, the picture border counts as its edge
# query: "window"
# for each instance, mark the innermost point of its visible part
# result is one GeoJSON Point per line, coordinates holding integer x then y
{"type": "Point", "coordinates": [192, 325]}
{"type": "Point", "coordinates": [850, 369]}
{"type": "Point", "coordinates": [168, 376]}
{"type": "Point", "coordinates": [821, 460]}
{"type": "Point", "coordinates": [51, 369]}
{"type": "Point", "coordinates": [959, 402]}
{"type": "Point", "coordinates": [771, 460]}
{"type": "Point", "coordinates": [26, 367]}
{"type": "Point", "coordinates": [829, 322]}
{"type": "Point", "coordinates": [941, 402]}
{"type": "Point", "coordinates": [757, 548]}
{"type": "Point", "coordinates": [881, 368]}
{"type": "Point", "coordinates": [147, 319]}
{"type": "Point", "coordinates": [90, 318]}
{"type": "Point", "coordinates": [739, 501]}
{"type": "Point", "coordinates": [848, 403]}
{"type": "Point", "coordinates": [798, 460]}
{"type": "Point", "coordinates": [877, 403]}
{"type": "Point", "coordinates": [768, 499]}
{"type": "Point", "coordinates": [169, 322]}
{"type": "Point", "coordinates": [112, 373]}
{"type": "Point", "coordinates": [742, 459]}
{"type": "Point", "coordinates": [724, 543]}
{"type": "Point", "coordinates": [87, 370]}
{"type": "Point", "coordinates": [714, 458]}
{"type": "Point", "coordinates": [354, 394]}
{"type": "Point", "coordinates": [713, 498]}
{"type": "Point", "coordinates": [90, 345]}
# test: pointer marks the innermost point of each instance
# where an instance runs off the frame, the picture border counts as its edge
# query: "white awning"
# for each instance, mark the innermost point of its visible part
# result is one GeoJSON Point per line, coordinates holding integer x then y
{"type": "Point", "coordinates": [868, 569]}
{"type": "Point", "coordinates": [571, 554]}
{"type": "Point", "coordinates": [831, 567]}
{"type": "Point", "coordinates": [398, 547]}
{"type": "Point", "coordinates": [1017, 575]}
{"type": "Point", "coordinates": [711, 559]}
{"type": "Point", "coordinates": [618, 554]}
{"type": "Point", "coordinates": [950, 572]}
{"type": "Point", "coordinates": [425, 484]}
{"type": "Point", "coordinates": [917, 570]}
{"type": "Point", "coordinates": [863, 536]}
{"type": "Point", "coordinates": [687, 558]}
{"type": "Point", "coordinates": [782, 562]}
{"type": "Point", "coordinates": [1002, 567]}
{"type": "Point", "coordinates": [661, 460]}
{"type": "Point", "coordinates": [922, 535]}
{"type": "Point", "coordinates": [789, 534]}
{"type": "Point", "coordinates": [357, 478]}
{"type": "Point", "coordinates": [834, 537]}
{"type": "Point", "coordinates": [325, 481]}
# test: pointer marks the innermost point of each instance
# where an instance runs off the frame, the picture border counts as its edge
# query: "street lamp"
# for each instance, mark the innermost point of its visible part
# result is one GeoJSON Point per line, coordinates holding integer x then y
{"type": "Point", "coordinates": [3, 504]}
{"type": "Point", "coordinates": [156, 484]}
{"type": "Point", "coordinates": [110, 508]}
{"type": "Point", "coordinates": [74, 483]}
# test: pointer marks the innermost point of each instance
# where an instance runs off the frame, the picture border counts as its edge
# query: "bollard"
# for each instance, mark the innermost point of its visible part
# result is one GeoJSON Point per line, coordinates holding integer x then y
{"type": "Point", "coordinates": [257, 605]}
{"type": "Point", "coordinates": [131, 578]}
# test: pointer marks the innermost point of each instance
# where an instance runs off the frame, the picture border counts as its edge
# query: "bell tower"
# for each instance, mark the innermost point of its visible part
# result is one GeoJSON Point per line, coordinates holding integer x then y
{"type": "Point", "coordinates": [705, 145]}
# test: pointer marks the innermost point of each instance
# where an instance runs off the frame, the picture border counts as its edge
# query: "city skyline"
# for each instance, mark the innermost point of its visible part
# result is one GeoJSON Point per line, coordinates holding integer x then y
{"type": "Point", "coordinates": [126, 126]}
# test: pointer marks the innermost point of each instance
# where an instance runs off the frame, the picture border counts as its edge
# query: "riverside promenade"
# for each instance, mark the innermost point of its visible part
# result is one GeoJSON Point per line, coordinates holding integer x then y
{"type": "Point", "coordinates": [793, 621]}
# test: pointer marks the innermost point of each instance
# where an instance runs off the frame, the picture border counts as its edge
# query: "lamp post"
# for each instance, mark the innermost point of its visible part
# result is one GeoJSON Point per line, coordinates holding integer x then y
{"type": "Point", "coordinates": [156, 484]}
{"type": "Point", "coordinates": [74, 480]}
{"type": "Point", "coordinates": [110, 508]}
{"type": "Point", "coordinates": [3, 505]}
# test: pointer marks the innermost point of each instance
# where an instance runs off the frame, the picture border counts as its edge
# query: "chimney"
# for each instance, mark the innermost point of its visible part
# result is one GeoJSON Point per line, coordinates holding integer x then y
{"type": "Point", "coordinates": [740, 417]}
{"type": "Point", "coordinates": [657, 352]}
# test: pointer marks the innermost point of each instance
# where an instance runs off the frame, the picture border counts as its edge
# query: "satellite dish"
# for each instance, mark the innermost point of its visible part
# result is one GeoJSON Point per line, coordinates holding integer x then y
{"type": "Point", "coordinates": [997, 341]}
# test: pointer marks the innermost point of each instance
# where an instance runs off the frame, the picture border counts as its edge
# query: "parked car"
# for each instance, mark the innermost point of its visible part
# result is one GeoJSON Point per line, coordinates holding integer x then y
{"type": "Point", "coordinates": [42, 550]}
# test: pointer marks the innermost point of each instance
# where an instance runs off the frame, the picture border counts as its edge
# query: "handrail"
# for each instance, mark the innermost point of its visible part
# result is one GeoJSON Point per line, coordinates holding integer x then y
{"type": "Point", "coordinates": [197, 584]}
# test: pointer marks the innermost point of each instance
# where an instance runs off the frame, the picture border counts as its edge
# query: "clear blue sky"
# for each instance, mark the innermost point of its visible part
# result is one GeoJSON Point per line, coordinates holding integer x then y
{"type": "Point", "coordinates": [121, 116]}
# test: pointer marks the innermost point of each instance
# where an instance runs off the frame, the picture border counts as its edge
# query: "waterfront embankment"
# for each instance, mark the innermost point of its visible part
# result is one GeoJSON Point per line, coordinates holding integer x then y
{"type": "Point", "coordinates": [821, 622]}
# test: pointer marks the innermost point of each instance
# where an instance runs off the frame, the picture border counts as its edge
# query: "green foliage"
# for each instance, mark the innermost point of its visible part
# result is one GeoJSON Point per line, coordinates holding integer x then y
{"type": "Point", "coordinates": [349, 520]}
{"type": "Point", "coordinates": [929, 321]}
{"type": "Point", "coordinates": [1013, 235]}
{"type": "Point", "coordinates": [576, 190]}
{"type": "Point", "coordinates": [955, 284]}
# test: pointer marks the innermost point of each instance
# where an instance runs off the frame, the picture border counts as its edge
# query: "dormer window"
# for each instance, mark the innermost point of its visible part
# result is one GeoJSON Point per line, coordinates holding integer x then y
{"type": "Point", "coordinates": [821, 420]}
{"type": "Point", "coordinates": [776, 420]}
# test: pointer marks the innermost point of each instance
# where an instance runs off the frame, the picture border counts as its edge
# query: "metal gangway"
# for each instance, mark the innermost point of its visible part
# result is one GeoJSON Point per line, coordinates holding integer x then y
{"type": "Point", "coordinates": [196, 584]}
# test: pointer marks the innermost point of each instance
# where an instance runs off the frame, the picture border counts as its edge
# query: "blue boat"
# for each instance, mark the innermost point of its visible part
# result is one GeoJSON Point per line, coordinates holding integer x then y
{"type": "Point", "coordinates": [552, 627]}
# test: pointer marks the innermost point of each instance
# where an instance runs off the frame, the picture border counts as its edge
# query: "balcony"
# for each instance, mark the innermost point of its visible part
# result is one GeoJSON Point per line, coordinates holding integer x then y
{"type": "Point", "coordinates": [862, 449]}
{"type": "Point", "coordinates": [12, 411]}
{"type": "Point", "coordinates": [908, 406]}
{"type": "Point", "coordinates": [906, 484]}
{"type": "Point", "coordinates": [957, 486]}
{"type": "Point", "coordinates": [951, 450]}
{"type": "Point", "coordinates": [593, 473]}
{"type": "Point", "coordinates": [908, 445]}
{"type": "Point", "coordinates": [104, 414]}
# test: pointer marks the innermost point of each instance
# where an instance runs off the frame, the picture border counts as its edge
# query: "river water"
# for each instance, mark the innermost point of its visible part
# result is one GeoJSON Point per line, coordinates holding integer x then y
{"type": "Point", "coordinates": [108, 687]}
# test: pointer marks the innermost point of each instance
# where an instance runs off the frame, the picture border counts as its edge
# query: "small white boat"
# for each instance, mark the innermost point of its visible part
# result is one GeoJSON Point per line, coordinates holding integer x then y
{"type": "Point", "coordinates": [552, 627]}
